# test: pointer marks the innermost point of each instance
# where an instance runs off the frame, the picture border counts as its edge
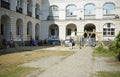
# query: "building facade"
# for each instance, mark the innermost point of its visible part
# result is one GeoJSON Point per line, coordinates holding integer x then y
{"type": "Point", "coordinates": [58, 19]}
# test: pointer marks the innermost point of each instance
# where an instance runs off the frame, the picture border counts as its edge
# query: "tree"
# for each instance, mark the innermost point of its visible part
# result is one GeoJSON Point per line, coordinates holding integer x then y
{"type": "Point", "coordinates": [117, 44]}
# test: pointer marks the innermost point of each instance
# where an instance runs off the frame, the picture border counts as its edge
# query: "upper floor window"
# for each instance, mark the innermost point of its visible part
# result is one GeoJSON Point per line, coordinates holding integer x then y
{"type": "Point", "coordinates": [109, 8]}
{"type": "Point", "coordinates": [19, 3]}
{"type": "Point", "coordinates": [19, 6]}
{"type": "Point", "coordinates": [70, 10]}
{"type": "Point", "coordinates": [29, 7]}
{"type": "Point", "coordinates": [5, 4]}
{"type": "Point", "coordinates": [108, 29]}
{"type": "Point", "coordinates": [90, 9]}
{"type": "Point", "coordinates": [37, 11]}
{"type": "Point", "coordinates": [54, 10]}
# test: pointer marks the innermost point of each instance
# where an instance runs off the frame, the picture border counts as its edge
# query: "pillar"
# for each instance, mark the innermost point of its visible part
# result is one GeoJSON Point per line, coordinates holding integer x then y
{"type": "Point", "coordinates": [33, 31]}
{"type": "Point", "coordinates": [62, 32]}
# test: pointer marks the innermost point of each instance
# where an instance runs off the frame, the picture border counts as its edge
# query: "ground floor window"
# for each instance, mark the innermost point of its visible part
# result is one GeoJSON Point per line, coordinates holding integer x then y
{"type": "Point", "coordinates": [108, 29]}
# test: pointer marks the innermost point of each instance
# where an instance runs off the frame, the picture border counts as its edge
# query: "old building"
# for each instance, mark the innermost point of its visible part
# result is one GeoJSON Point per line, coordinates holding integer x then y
{"type": "Point", "coordinates": [58, 19]}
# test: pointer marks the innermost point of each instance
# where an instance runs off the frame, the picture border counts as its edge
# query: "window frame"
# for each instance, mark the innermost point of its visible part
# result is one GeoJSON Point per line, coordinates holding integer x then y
{"type": "Point", "coordinates": [109, 30]}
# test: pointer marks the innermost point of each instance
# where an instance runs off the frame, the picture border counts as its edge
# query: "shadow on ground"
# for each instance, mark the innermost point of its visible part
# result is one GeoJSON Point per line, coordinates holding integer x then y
{"type": "Point", "coordinates": [22, 49]}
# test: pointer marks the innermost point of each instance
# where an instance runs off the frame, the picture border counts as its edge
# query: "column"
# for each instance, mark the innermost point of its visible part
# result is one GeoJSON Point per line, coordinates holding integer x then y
{"type": "Point", "coordinates": [24, 30]}
{"type": "Point", "coordinates": [33, 31]}
{"type": "Point", "coordinates": [62, 32]}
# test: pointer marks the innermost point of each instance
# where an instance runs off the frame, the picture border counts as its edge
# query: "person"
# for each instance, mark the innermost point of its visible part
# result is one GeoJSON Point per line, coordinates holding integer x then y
{"type": "Point", "coordinates": [33, 42]}
{"type": "Point", "coordinates": [73, 43]}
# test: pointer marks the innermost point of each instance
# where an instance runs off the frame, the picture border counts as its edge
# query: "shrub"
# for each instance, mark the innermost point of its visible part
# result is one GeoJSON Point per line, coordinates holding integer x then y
{"type": "Point", "coordinates": [117, 44]}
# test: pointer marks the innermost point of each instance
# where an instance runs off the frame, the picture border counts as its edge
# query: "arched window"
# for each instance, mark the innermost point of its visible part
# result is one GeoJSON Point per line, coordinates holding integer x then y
{"type": "Point", "coordinates": [90, 9]}
{"type": "Point", "coordinates": [70, 10]}
{"type": "Point", "coordinates": [54, 10]}
{"type": "Point", "coordinates": [109, 8]}
{"type": "Point", "coordinates": [108, 29]}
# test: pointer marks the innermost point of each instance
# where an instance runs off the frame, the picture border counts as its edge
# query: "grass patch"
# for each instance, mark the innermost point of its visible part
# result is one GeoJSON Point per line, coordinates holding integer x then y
{"type": "Point", "coordinates": [16, 71]}
{"type": "Point", "coordinates": [107, 74]}
{"type": "Point", "coordinates": [9, 62]}
{"type": "Point", "coordinates": [103, 52]}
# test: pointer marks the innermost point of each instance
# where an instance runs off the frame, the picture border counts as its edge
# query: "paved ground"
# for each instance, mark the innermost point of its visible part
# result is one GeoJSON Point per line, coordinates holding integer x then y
{"type": "Point", "coordinates": [80, 64]}
{"type": "Point", "coordinates": [76, 65]}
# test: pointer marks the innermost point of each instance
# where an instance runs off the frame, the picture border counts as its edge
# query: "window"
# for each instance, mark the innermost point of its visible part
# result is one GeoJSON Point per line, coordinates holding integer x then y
{"type": "Point", "coordinates": [54, 10]}
{"type": "Point", "coordinates": [19, 3]}
{"type": "Point", "coordinates": [108, 30]}
{"type": "Point", "coordinates": [109, 8]}
{"type": "Point", "coordinates": [90, 9]}
{"type": "Point", "coordinates": [70, 10]}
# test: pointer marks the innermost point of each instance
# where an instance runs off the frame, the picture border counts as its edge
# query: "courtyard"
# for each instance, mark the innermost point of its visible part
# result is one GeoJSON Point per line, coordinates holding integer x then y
{"type": "Point", "coordinates": [56, 61]}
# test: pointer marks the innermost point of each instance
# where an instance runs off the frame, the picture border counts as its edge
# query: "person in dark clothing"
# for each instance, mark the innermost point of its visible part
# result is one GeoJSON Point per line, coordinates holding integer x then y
{"type": "Point", "coordinates": [73, 43]}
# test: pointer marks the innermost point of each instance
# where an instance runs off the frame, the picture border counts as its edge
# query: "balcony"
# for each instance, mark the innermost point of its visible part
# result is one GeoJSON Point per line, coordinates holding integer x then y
{"type": "Point", "coordinates": [37, 16]}
{"type": "Point", "coordinates": [89, 17]}
{"type": "Point", "coordinates": [18, 9]}
{"type": "Point", "coordinates": [72, 17]}
{"type": "Point", "coordinates": [29, 13]}
{"type": "Point", "coordinates": [53, 18]}
{"type": "Point", "coordinates": [5, 4]}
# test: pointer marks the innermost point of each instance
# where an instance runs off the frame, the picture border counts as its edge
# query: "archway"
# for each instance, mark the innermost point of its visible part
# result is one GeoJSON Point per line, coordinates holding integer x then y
{"type": "Point", "coordinates": [19, 27]}
{"type": "Point", "coordinates": [5, 28]}
{"type": "Point", "coordinates": [19, 30]}
{"type": "Point", "coordinates": [89, 34]}
{"type": "Point", "coordinates": [88, 29]}
{"type": "Point", "coordinates": [71, 30]}
{"type": "Point", "coordinates": [29, 30]}
{"type": "Point", "coordinates": [53, 31]}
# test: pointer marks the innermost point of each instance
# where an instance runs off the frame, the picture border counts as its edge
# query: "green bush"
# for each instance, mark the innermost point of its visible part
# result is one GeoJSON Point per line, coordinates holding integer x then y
{"type": "Point", "coordinates": [117, 45]}
{"type": "Point", "coordinates": [112, 47]}
{"type": "Point", "coordinates": [101, 49]}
